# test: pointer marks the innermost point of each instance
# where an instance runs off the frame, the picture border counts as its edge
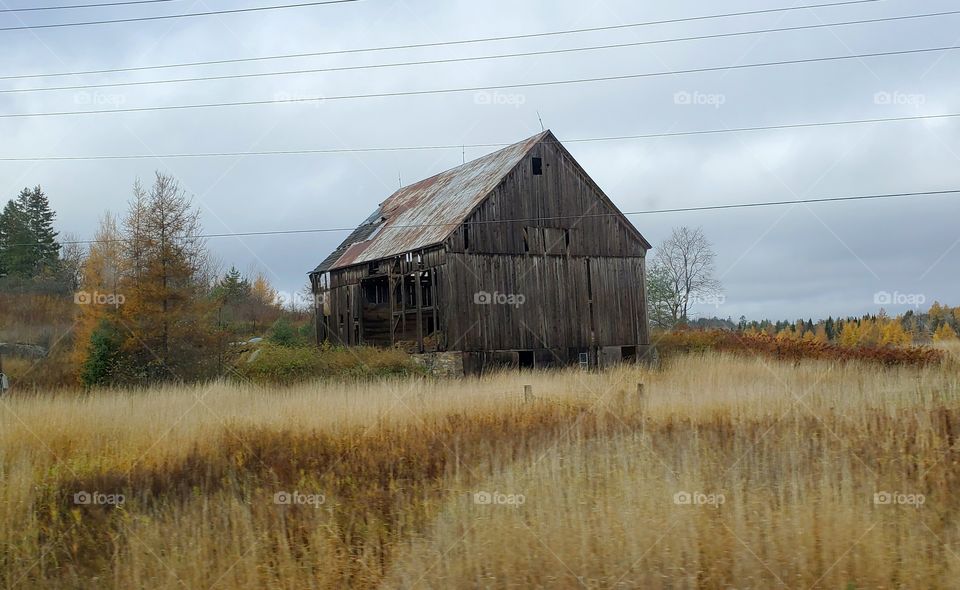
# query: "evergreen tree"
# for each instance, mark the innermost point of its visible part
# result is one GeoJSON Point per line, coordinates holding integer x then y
{"type": "Point", "coordinates": [38, 216]}
{"type": "Point", "coordinates": [15, 256]}
{"type": "Point", "coordinates": [28, 242]}
{"type": "Point", "coordinates": [100, 365]}
{"type": "Point", "coordinates": [233, 287]}
{"type": "Point", "coordinates": [830, 328]}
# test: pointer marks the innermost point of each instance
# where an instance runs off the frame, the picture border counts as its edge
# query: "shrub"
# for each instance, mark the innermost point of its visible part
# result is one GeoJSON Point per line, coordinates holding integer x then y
{"type": "Point", "coordinates": [284, 334]}
{"type": "Point", "coordinates": [101, 363]}
{"type": "Point", "coordinates": [681, 341]}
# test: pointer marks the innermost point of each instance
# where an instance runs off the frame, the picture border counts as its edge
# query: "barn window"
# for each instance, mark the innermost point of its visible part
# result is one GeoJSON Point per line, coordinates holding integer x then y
{"type": "Point", "coordinates": [537, 166]}
{"type": "Point", "coordinates": [466, 237]}
{"type": "Point", "coordinates": [525, 359]}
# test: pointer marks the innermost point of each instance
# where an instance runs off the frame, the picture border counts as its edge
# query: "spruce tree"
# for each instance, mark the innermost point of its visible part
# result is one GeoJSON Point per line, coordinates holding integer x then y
{"type": "Point", "coordinates": [15, 240]}
{"type": "Point", "coordinates": [38, 216]}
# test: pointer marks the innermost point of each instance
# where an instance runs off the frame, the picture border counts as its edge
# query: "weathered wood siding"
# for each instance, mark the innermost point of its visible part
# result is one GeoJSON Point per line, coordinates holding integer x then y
{"type": "Point", "coordinates": [555, 312]}
{"type": "Point", "coordinates": [345, 296]}
{"type": "Point", "coordinates": [562, 199]}
{"type": "Point", "coordinates": [572, 247]}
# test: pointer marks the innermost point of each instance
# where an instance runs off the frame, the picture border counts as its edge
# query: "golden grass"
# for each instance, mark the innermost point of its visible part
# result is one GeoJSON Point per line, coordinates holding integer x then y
{"type": "Point", "coordinates": [796, 451]}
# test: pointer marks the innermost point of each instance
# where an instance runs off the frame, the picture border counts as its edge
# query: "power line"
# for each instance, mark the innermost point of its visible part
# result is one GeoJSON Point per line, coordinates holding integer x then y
{"type": "Point", "coordinates": [553, 218]}
{"type": "Point", "coordinates": [170, 16]}
{"type": "Point", "coordinates": [474, 58]}
{"type": "Point", "coordinates": [72, 6]}
{"type": "Point", "coordinates": [433, 44]}
{"type": "Point", "coordinates": [481, 88]}
{"type": "Point", "coordinates": [330, 151]}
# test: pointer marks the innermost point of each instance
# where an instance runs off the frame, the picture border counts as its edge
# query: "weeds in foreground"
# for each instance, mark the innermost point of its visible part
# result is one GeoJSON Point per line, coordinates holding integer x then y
{"type": "Point", "coordinates": [369, 484]}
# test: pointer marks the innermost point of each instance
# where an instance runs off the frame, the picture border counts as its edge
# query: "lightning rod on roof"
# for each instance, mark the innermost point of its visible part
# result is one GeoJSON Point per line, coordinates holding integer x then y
{"type": "Point", "coordinates": [541, 120]}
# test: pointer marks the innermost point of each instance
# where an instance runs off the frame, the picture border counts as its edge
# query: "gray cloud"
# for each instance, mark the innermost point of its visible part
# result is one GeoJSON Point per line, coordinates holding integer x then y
{"type": "Point", "coordinates": [781, 262]}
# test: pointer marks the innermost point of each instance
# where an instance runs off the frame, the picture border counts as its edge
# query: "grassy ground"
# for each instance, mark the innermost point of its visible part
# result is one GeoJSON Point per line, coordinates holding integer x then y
{"type": "Point", "coordinates": [419, 483]}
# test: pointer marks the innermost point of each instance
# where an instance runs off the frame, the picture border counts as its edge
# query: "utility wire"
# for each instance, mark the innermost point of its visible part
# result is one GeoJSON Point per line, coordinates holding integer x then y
{"type": "Point", "coordinates": [72, 6]}
{"type": "Point", "coordinates": [432, 44]}
{"type": "Point", "coordinates": [473, 58]}
{"type": "Point", "coordinates": [170, 16]}
{"type": "Point", "coordinates": [554, 218]}
{"type": "Point", "coordinates": [476, 145]}
{"type": "Point", "coordinates": [481, 88]}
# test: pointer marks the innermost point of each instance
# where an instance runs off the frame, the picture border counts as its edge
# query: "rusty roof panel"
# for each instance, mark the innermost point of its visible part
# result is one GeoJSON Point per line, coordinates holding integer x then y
{"type": "Point", "coordinates": [425, 213]}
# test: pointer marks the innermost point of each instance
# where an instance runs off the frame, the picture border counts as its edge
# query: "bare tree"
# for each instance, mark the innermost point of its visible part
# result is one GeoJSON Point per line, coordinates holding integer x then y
{"type": "Point", "coordinates": [72, 257]}
{"type": "Point", "coordinates": [680, 276]}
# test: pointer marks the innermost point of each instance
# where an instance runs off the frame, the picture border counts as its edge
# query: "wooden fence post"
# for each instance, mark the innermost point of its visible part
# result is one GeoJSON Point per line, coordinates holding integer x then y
{"type": "Point", "coordinates": [641, 398]}
{"type": "Point", "coordinates": [527, 394]}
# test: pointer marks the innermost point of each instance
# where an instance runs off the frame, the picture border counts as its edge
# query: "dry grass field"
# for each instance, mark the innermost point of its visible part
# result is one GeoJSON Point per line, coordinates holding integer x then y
{"type": "Point", "coordinates": [729, 472]}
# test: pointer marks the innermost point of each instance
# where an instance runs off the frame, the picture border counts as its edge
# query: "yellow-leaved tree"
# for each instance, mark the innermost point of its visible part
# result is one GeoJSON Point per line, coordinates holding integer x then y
{"type": "Point", "coordinates": [944, 334]}
{"type": "Point", "coordinates": [98, 301]}
{"type": "Point", "coordinates": [850, 334]}
{"type": "Point", "coordinates": [165, 312]}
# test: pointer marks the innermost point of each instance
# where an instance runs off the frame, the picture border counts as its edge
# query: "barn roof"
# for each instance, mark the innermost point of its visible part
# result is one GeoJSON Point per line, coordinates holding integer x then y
{"type": "Point", "coordinates": [425, 213]}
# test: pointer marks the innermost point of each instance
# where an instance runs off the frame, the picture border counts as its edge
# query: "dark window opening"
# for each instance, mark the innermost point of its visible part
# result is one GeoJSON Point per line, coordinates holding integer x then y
{"type": "Point", "coordinates": [466, 236]}
{"type": "Point", "coordinates": [375, 291]}
{"type": "Point", "coordinates": [426, 288]}
{"type": "Point", "coordinates": [525, 359]}
{"type": "Point", "coordinates": [526, 242]}
{"type": "Point", "coordinates": [589, 283]}
{"type": "Point", "coordinates": [628, 353]}
{"type": "Point", "coordinates": [566, 239]}
{"type": "Point", "coordinates": [537, 166]}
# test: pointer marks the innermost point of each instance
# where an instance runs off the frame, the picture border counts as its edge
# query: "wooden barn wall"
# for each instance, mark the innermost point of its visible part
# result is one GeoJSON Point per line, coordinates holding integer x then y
{"type": "Point", "coordinates": [345, 295]}
{"type": "Point", "coordinates": [562, 197]}
{"type": "Point", "coordinates": [555, 313]}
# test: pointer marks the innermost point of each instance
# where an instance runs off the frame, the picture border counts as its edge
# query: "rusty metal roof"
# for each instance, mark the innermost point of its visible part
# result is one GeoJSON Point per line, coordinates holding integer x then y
{"type": "Point", "coordinates": [425, 213]}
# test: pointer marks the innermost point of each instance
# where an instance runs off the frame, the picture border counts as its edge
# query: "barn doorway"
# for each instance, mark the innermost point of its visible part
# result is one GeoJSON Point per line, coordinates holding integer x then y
{"type": "Point", "coordinates": [525, 359]}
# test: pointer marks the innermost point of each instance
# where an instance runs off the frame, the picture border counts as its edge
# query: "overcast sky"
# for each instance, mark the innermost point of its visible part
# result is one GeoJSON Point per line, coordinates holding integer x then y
{"type": "Point", "coordinates": [778, 262]}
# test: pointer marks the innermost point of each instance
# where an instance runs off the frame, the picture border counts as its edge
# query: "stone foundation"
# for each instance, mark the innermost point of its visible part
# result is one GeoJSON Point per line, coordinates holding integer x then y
{"type": "Point", "coordinates": [441, 364]}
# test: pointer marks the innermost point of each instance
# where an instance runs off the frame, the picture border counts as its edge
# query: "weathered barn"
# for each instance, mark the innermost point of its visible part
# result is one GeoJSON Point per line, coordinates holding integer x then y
{"type": "Point", "coordinates": [514, 258]}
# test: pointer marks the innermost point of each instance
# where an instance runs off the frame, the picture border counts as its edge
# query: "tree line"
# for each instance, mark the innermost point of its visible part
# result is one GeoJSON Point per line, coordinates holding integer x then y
{"type": "Point", "coordinates": [150, 303]}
